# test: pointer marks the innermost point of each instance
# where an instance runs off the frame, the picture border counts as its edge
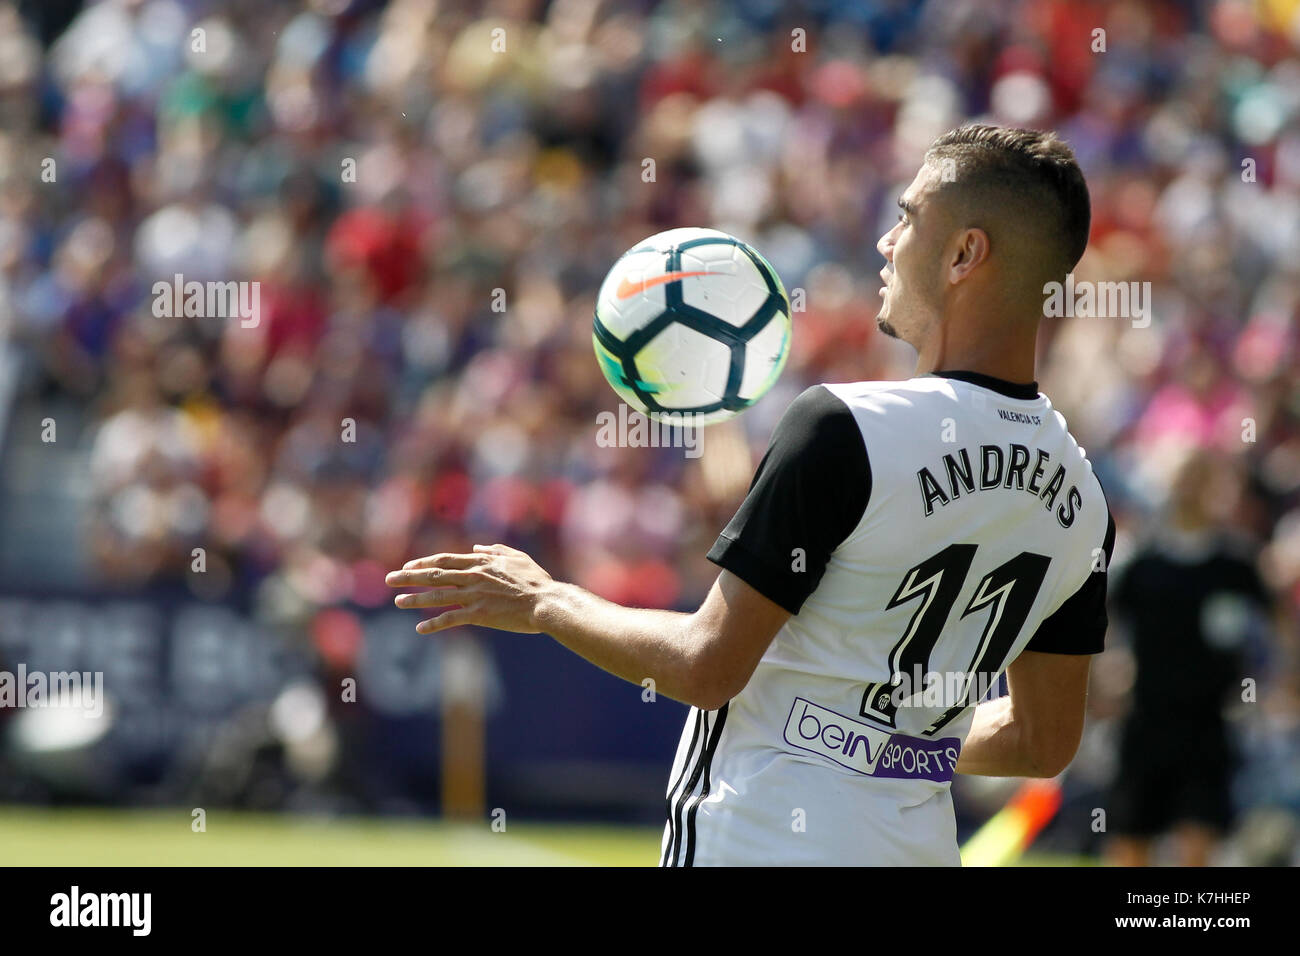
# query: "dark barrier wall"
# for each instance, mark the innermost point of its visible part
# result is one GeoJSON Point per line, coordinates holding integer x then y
{"type": "Point", "coordinates": [205, 702]}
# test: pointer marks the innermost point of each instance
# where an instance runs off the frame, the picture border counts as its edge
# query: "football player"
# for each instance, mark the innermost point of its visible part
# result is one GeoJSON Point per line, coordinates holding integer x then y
{"type": "Point", "coordinates": [902, 544]}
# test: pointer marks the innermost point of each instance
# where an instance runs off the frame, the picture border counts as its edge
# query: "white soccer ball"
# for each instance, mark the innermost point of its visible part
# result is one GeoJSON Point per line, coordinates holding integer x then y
{"type": "Point", "coordinates": [692, 322]}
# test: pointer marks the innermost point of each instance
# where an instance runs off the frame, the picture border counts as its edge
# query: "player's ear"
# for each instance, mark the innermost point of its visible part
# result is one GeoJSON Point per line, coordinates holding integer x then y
{"type": "Point", "coordinates": [971, 250]}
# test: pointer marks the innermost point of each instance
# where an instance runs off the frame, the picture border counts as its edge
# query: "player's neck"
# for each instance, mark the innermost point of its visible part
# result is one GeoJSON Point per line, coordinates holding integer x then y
{"type": "Point", "coordinates": [981, 328]}
{"type": "Point", "coordinates": [1010, 361]}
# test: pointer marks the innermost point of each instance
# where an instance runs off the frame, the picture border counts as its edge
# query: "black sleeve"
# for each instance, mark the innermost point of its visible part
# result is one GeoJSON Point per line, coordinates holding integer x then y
{"type": "Point", "coordinates": [809, 493]}
{"type": "Point", "coordinates": [1079, 625]}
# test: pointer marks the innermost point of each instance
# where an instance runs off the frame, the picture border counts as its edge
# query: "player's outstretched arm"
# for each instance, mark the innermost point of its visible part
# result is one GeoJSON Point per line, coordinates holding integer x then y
{"type": "Point", "coordinates": [1035, 730]}
{"type": "Point", "coordinates": [704, 658]}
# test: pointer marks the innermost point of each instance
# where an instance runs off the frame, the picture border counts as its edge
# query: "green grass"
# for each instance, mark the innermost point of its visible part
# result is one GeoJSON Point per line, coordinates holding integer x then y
{"type": "Point", "coordinates": [38, 837]}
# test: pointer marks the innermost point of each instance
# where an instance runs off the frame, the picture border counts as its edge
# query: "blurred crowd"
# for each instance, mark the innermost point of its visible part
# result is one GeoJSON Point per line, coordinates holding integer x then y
{"type": "Point", "coordinates": [430, 192]}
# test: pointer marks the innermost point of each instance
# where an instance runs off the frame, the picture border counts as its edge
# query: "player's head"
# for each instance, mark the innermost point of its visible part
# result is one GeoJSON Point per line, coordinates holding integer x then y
{"type": "Point", "coordinates": [993, 215]}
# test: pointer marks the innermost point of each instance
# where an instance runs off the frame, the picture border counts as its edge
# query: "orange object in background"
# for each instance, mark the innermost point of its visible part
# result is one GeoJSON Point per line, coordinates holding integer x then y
{"type": "Point", "coordinates": [1010, 831]}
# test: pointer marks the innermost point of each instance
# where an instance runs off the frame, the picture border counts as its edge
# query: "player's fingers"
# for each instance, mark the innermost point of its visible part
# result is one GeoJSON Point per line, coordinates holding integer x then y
{"type": "Point", "coordinates": [447, 560]}
{"type": "Point", "coordinates": [496, 549]}
{"type": "Point", "coordinates": [446, 619]}
{"type": "Point", "coordinates": [430, 577]}
{"type": "Point", "coordinates": [438, 597]}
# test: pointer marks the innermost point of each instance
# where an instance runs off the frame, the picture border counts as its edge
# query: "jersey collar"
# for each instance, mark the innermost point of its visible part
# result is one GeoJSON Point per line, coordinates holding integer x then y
{"type": "Point", "coordinates": [1023, 391]}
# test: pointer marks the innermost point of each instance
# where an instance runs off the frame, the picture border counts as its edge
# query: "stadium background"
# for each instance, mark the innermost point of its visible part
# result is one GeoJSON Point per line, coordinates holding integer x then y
{"type": "Point", "coordinates": [793, 126]}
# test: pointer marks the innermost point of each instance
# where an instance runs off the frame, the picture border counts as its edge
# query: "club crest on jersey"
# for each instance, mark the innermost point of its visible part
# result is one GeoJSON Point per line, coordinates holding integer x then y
{"type": "Point", "coordinates": [868, 750]}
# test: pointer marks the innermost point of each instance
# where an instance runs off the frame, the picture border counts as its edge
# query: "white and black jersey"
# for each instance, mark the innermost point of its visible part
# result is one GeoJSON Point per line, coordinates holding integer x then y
{"type": "Point", "coordinates": [921, 534]}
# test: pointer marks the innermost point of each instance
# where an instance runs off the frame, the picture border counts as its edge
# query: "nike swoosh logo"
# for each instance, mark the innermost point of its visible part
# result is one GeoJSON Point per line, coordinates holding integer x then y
{"type": "Point", "coordinates": [626, 288]}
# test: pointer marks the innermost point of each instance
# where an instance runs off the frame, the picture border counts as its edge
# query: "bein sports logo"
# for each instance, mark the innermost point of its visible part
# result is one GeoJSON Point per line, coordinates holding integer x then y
{"type": "Point", "coordinates": [867, 750]}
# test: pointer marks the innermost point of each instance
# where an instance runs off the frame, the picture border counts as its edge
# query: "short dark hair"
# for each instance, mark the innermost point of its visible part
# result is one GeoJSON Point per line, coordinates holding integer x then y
{"type": "Point", "coordinates": [1035, 166]}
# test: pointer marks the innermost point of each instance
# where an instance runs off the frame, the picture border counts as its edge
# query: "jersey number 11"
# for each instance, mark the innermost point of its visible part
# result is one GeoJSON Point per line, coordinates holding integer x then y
{"type": "Point", "coordinates": [1009, 590]}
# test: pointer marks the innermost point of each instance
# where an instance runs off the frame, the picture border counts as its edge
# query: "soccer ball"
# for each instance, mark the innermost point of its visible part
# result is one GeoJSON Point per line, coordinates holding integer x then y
{"type": "Point", "coordinates": [691, 322]}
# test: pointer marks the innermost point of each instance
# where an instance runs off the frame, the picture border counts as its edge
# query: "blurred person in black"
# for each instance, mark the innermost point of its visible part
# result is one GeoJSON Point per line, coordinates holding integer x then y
{"type": "Point", "coordinates": [1188, 600]}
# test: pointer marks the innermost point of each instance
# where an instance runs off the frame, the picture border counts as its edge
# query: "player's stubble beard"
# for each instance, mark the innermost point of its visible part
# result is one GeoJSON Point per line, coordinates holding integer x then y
{"type": "Point", "coordinates": [908, 311]}
{"type": "Point", "coordinates": [882, 323]}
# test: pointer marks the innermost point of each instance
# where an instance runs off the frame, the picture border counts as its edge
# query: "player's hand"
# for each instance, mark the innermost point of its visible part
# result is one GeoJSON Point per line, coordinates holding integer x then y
{"type": "Point", "coordinates": [495, 586]}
